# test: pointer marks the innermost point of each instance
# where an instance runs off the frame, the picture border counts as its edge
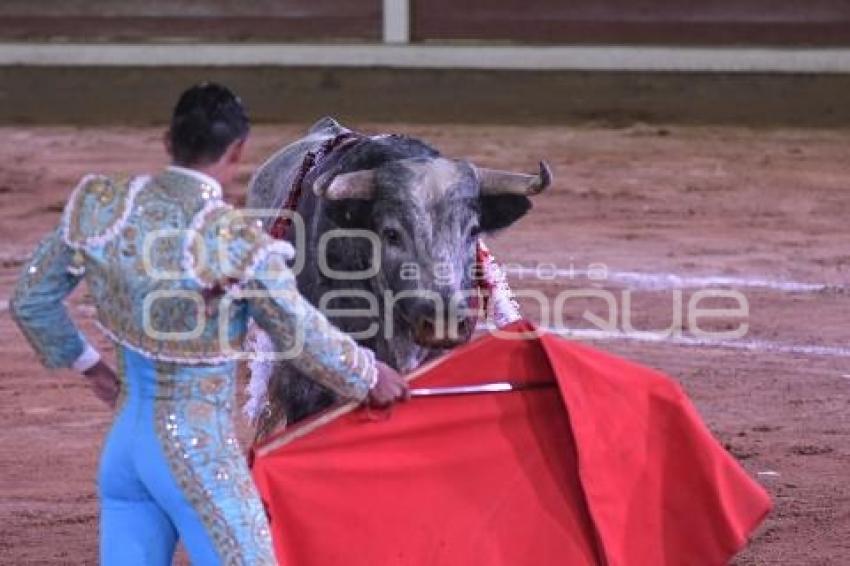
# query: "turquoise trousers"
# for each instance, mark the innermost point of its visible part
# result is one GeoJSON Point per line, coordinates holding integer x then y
{"type": "Point", "coordinates": [171, 469]}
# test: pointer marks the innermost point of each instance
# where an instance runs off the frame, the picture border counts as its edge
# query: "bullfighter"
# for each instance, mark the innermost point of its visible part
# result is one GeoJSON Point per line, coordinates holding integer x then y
{"type": "Point", "coordinates": [176, 275]}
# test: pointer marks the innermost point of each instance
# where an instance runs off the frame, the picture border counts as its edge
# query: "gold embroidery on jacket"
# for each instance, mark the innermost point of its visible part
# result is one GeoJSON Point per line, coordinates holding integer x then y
{"type": "Point", "coordinates": [109, 209]}
{"type": "Point", "coordinates": [121, 366]}
{"type": "Point", "coordinates": [168, 204]}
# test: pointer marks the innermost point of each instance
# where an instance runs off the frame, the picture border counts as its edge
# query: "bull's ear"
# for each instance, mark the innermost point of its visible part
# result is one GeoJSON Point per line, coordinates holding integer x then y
{"type": "Point", "coordinates": [500, 211]}
{"type": "Point", "coordinates": [350, 213]}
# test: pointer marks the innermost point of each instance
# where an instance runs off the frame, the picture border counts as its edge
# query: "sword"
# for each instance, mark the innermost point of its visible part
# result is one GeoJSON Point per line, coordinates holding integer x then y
{"type": "Point", "coordinates": [281, 439]}
{"type": "Point", "coordinates": [495, 387]}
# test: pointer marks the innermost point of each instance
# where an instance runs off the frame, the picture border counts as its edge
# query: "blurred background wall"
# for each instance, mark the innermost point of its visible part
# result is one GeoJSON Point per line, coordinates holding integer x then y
{"type": "Point", "coordinates": [758, 62]}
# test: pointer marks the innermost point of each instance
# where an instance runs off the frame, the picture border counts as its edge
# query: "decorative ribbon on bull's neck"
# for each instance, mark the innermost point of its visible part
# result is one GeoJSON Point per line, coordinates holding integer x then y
{"type": "Point", "coordinates": [494, 289]}
{"type": "Point", "coordinates": [280, 225]}
{"type": "Point", "coordinates": [490, 280]}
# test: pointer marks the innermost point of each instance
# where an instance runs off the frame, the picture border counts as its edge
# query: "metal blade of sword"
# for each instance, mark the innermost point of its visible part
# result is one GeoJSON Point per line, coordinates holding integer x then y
{"type": "Point", "coordinates": [301, 430]}
{"type": "Point", "coordinates": [495, 387]}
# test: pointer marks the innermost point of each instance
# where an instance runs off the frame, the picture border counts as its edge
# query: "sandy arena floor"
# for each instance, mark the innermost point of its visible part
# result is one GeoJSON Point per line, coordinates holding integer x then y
{"type": "Point", "coordinates": [765, 209]}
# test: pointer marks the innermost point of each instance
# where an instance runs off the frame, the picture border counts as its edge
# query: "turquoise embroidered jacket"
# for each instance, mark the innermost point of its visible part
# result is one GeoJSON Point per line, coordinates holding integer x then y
{"type": "Point", "coordinates": [176, 274]}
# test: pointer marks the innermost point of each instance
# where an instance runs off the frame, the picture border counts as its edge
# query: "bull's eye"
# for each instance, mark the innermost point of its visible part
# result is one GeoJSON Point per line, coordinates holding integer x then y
{"type": "Point", "coordinates": [391, 236]}
{"type": "Point", "coordinates": [474, 231]}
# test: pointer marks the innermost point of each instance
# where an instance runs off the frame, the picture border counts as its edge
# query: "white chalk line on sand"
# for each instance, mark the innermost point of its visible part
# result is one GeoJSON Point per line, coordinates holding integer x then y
{"type": "Point", "coordinates": [752, 345]}
{"type": "Point", "coordinates": [662, 281]}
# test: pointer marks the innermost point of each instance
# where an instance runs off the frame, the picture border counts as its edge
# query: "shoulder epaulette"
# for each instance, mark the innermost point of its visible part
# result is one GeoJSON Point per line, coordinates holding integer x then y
{"type": "Point", "coordinates": [224, 247]}
{"type": "Point", "coordinates": [97, 210]}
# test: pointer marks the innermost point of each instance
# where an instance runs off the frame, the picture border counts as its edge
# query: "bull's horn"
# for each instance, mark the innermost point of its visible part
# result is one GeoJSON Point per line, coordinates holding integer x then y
{"type": "Point", "coordinates": [495, 182]}
{"type": "Point", "coordinates": [355, 185]}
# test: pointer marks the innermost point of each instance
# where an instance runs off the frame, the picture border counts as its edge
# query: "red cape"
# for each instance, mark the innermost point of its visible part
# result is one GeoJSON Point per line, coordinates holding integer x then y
{"type": "Point", "coordinates": [613, 466]}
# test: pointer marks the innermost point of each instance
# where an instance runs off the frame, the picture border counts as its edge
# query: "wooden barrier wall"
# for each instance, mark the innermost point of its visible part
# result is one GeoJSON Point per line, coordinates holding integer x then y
{"type": "Point", "coordinates": [709, 22]}
{"type": "Point", "coordinates": [187, 20]}
{"type": "Point", "coordinates": [670, 22]}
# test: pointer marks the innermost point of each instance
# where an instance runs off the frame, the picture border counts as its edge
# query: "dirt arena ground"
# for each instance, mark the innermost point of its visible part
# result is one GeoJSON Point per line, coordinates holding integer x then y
{"type": "Point", "coordinates": [766, 209]}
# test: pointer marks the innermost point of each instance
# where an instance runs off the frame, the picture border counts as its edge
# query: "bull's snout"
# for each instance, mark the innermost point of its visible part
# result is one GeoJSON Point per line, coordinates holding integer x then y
{"type": "Point", "coordinates": [439, 330]}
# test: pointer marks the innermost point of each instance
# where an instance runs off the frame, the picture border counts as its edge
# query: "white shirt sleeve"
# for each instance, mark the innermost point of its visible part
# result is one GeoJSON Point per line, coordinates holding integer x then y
{"type": "Point", "coordinates": [87, 359]}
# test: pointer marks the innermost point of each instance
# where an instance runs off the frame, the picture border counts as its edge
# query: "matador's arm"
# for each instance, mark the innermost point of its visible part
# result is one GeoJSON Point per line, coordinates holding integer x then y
{"type": "Point", "coordinates": [228, 251]}
{"type": "Point", "coordinates": [303, 336]}
{"type": "Point", "coordinates": [38, 309]}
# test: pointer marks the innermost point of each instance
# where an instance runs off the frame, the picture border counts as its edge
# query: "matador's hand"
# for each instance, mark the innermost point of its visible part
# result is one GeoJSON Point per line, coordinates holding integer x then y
{"type": "Point", "coordinates": [104, 383]}
{"type": "Point", "coordinates": [391, 387]}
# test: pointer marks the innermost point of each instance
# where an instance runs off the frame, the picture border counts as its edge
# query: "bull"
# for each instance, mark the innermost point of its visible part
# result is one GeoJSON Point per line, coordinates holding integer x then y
{"type": "Point", "coordinates": [426, 212]}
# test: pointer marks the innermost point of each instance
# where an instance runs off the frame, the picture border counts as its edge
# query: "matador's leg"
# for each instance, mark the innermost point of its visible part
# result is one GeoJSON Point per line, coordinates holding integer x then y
{"type": "Point", "coordinates": [134, 530]}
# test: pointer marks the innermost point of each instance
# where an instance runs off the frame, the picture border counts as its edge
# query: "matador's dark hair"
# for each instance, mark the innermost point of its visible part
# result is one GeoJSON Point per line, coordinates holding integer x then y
{"type": "Point", "coordinates": [207, 118]}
